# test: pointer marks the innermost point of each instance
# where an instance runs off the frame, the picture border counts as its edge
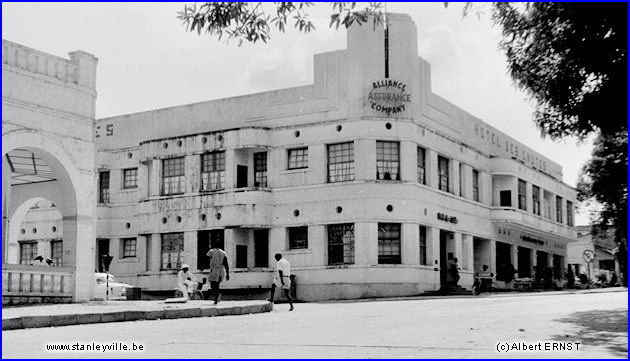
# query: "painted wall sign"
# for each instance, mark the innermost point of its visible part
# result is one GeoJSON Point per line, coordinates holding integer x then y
{"type": "Point", "coordinates": [447, 218]}
{"type": "Point", "coordinates": [388, 96]}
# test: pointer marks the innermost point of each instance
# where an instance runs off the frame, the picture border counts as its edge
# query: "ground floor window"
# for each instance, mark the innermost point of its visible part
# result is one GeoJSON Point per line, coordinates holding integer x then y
{"type": "Point", "coordinates": [172, 251]}
{"type": "Point", "coordinates": [423, 245]}
{"type": "Point", "coordinates": [56, 253]}
{"type": "Point", "coordinates": [28, 251]}
{"type": "Point", "coordinates": [129, 246]}
{"type": "Point", "coordinates": [389, 243]}
{"type": "Point", "coordinates": [341, 244]}
{"type": "Point", "coordinates": [298, 237]}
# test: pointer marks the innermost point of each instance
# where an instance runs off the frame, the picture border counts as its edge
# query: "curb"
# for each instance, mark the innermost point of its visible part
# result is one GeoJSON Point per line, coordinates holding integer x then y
{"type": "Point", "coordinates": [24, 322]}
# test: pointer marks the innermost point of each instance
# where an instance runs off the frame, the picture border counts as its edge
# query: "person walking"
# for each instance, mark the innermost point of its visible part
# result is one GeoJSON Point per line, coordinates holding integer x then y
{"type": "Point", "coordinates": [218, 265]}
{"type": "Point", "coordinates": [282, 278]}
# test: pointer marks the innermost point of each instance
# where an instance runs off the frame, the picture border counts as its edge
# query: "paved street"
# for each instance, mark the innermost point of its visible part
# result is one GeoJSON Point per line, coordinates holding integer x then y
{"type": "Point", "coordinates": [420, 328]}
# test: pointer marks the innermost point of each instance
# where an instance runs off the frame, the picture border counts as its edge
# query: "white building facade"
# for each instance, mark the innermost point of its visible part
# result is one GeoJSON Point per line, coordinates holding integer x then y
{"type": "Point", "coordinates": [366, 181]}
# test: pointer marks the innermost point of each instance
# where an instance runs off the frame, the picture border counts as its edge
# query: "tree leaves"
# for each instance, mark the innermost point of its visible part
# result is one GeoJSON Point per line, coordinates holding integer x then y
{"type": "Point", "coordinates": [248, 21]}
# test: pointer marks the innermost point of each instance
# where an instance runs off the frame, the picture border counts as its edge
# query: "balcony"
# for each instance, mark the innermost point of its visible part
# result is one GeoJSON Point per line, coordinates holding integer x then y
{"type": "Point", "coordinates": [528, 220]}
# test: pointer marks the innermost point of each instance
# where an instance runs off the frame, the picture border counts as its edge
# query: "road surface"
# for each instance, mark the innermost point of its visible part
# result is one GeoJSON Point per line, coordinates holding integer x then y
{"type": "Point", "coordinates": [593, 325]}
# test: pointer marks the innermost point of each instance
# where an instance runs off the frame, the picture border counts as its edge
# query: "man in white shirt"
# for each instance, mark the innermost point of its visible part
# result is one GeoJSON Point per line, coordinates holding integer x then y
{"type": "Point", "coordinates": [185, 280]}
{"type": "Point", "coordinates": [282, 278]}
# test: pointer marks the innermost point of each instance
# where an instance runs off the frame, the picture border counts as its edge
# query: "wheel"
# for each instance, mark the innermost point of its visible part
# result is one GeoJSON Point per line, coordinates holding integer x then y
{"type": "Point", "coordinates": [178, 294]}
{"type": "Point", "coordinates": [476, 290]}
{"type": "Point", "coordinates": [196, 295]}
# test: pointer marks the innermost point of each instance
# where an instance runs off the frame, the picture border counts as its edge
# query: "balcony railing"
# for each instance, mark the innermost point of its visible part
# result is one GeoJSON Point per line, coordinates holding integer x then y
{"type": "Point", "coordinates": [517, 216]}
{"type": "Point", "coordinates": [37, 281]}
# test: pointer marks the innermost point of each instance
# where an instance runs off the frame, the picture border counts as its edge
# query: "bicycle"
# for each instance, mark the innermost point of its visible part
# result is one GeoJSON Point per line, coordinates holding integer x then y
{"type": "Point", "coordinates": [483, 283]}
{"type": "Point", "coordinates": [194, 290]}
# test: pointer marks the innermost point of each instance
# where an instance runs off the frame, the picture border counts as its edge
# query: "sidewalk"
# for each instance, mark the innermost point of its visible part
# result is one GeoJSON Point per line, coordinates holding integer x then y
{"type": "Point", "coordinates": [117, 311]}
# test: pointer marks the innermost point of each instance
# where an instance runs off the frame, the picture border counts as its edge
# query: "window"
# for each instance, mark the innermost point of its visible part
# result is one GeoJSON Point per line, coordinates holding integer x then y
{"type": "Point", "coordinates": [103, 187]}
{"type": "Point", "coordinates": [387, 161]}
{"type": "Point", "coordinates": [298, 158]}
{"type": "Point", "coordinates": [341, 244]}
{"type": "Point", "coordinates": [536, 199]}
{"type": "Point", "coordinates": [172, 251]}
{"type": "Point", "coordinates": [212, 171]}
{"type": "Point", "coordinates": [522, 195]}
{"type": "Point", "coordinates": [241, 256]}
{"type": "Point", "coordinates": [128, 247]}
{"type": "Point", "coordinates": [341, 162]}
{"type": "Point", "coordinates": [28, 251]}
{"type": "Point", "coordinates": [423, 245]}
{"type": "Point", "coordinates": [475, 185]}
{"type": "Point", "coordinates": [422, 163]}
{"type": "Point", "coordinates": [388, 243]}
{"type": "Point", "coordinates": [130, 178]}
{"type": "Point", "coordinates": [443, 174]}
{"type": "Point", "coordinates": [173, 176]}
{"type": "Point", "coordinates": [558, 209]}
{"type": "Point", "coordinates": [569, 213]}
{"type": "Point", "coordinates": [260, 169]}
{"type": "Point", "coordinates": [298, 237]}
{"type": "Point", "coordinates": [56, 253]}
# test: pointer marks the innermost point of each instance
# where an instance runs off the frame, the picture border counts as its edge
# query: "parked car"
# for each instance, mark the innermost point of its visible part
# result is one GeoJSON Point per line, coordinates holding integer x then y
{"type": "Point", "coordinates": [117, 290]}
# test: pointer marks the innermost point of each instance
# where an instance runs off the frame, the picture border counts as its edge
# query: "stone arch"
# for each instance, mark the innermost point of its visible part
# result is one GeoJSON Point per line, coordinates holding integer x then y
{"type": "Point", "coordinates": [74, 200]}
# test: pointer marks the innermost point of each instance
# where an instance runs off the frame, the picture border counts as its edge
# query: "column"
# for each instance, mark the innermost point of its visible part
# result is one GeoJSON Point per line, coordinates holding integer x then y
{"type": "Point", "coordinates": [457, 239]}
{"type": "Point", "coordinates": [155, 171]}
{"type": "Point", "coordinates": [432, 169]}
{"type": "Point", "coordinates": [493, 256]}
{"type": "Point", "coordinates": [454, 176]}
{"type": "Point", "coordinates": [366, 243]}
{"type": "Point", "coordinates": [533, 260]}
{"type": "Point", "coordinates": [529, 199]}
{"type": "Point", "coordinates": [154, 252]}
{"type": "Point", "coordinates": [190, 249]}
{"type": "Point", "coordinates": [468, 252]}
{"type": "Point", "coordinates": [410, 244]}
{"type": "Point", "coordinates": [465, 176]}
{"type": "Point", "coordinates": [6, 202]}
{"type": "Point", "coordinates": [408, 161]}
{"type": "Point", "coordinates": [230, 246]}
{"type": "Point", "coordinates": [141, 252]}
{"type": "Point", "coordinates": [317, 159]}
{"type": "Point", "coordinates": [143, 180]}
{"type": "Point", "coordinates": [433, 247]}
{"type": "Point", "coordinates": [514, 256]}
{"type": "Point", "coordinates": [192, 165]}
{"type": "Point", "coordinates": [365, 159]}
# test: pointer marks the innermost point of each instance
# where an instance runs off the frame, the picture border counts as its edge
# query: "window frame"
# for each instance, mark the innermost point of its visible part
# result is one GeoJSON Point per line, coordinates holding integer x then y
{"type": "Point", "coordinates": [423, 246]}
{"type": "Point", "coordinates": [536, 200]}
{"type": "Point", "coordinates": [295, 231]}
{"type": "Point", "coordinates": [260, 169]}
{"type": "Point", "coordinates": [521, 192]}
{"type": "Point", "coordinates": [216, 162]}
{"type": "Point", "coordinates": [125, 179]}
{"type": "Point", "coordinates": [475, 185]}
{"type": "Point", "coordinates": [337, 234]}
{"type": "Point", "coordinates": [179, 252]}
{"type": "Point", "coordinates": [104, 193]}
{"type": "Point", "coordinates": [444, 174]}
{"type": "Point", "coordinates": [570, 220]}
{"type": "Point", "coordinates": [126, 252]}
{"type": "Point", "coordinates": [180, 178]}
{"type": "Point", "coordinates": [559, 209]}
{"type": "Point", "coordinates": [344, 169]}
{"type": "Point", "coordinates": [56, 257]}
{"type": "Point", "coordinates": [33, 251]}
{"type": "Point", "coordinates": [297, 158]}
{"type": "Point", "coordinates": [422, 165]}
{"type": "Point", "coordinates": [387, 240]}
{"type": "Point", "coordinates": [387, 160]}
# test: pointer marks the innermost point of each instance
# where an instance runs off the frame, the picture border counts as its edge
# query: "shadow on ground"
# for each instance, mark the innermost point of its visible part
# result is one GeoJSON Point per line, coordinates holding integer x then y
{"type": "Point", "coordinates": [603, 328]}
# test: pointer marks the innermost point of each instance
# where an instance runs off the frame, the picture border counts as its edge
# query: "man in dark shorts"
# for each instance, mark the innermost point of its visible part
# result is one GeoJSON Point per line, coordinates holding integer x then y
{"type": "Point", "coordinates": [218, 269]}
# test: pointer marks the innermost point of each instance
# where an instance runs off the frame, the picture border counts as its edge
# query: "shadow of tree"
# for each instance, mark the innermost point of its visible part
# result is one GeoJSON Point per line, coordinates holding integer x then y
{"type": "Point", "coordinates": [607, 328]}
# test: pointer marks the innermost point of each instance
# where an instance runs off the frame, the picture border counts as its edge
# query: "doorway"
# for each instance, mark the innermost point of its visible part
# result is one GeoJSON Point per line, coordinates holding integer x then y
{"type": "Point", "coordinates": [241, 176]}
{"type": "Point", "coordinates": [261, 248]}
{"type": "Point", "coordinates": [102, 245]}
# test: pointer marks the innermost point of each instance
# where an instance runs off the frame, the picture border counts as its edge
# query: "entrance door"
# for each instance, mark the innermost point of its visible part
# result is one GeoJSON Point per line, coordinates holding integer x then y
{"type": "Point", "coordinates": [241, 176]}
{"type": "Point", "coordinates": [261, 248]}
{"type": "Point", "coordinates": [524, 262]}
{"type": "Point", "coordinates": [203, 246]}
{"type": "Point", "coordinates": [103, 250]}
{"type": "Point", "coordinates": [447, 249]}
{"type": "Point", "coordinates": [505, 198]}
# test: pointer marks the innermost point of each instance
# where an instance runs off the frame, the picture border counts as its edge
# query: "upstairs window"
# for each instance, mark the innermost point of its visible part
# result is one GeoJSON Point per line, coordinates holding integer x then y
{"type": "Point", "coordinates": [341, 162]}
{"type": "Point", "coordinates": [213, 171]}
{"type": "Point", "coordinates": [569, 213]}
{"type": "Point", "coordinates": [28, 251]}
{"type": "Point", "coordinates": [558, 209]}
{"type": "Point", "coordinates": [443, 174]}
{"type": "Point", "coordinates": [422, 165]}
{"type": "Point", "coordinates": [260, 169]}
{"type": "Point", "coordinates": [475, 185]}
{"type": "Point", "coordinates": [298, 158]}
{"type": "Point", "coordinates": [103, 187]}
{"type": "Point", "coordinates": [56, 253]}
{"type": "Point", "coordinates": [536, 200]}
{"type": "Point", "coordinates": [387, 160]}
{"type": "Point", "coordinates": [522, 195]}
{"type": "Point", "coordinates": [173, 171]}
{"type": "Point", "coordinates": [130, 178]}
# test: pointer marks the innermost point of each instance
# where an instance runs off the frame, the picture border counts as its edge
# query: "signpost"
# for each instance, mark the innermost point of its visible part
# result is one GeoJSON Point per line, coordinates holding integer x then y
{"type": "Point", "coordinates": [589, 257]}
{"type": "Point", "coordinates": [107, 260]}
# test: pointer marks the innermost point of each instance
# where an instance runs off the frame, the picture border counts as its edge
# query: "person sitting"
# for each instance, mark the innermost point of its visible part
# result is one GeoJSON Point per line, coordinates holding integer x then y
{"type": "Point", "coordinates": [186, 281]}
{"type": "Point", "coordinates": [485, 277]}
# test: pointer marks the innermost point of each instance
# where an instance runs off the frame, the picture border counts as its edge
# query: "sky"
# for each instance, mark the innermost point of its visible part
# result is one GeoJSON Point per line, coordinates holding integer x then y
{"type": "Point", "coordinates": [147, 60]}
